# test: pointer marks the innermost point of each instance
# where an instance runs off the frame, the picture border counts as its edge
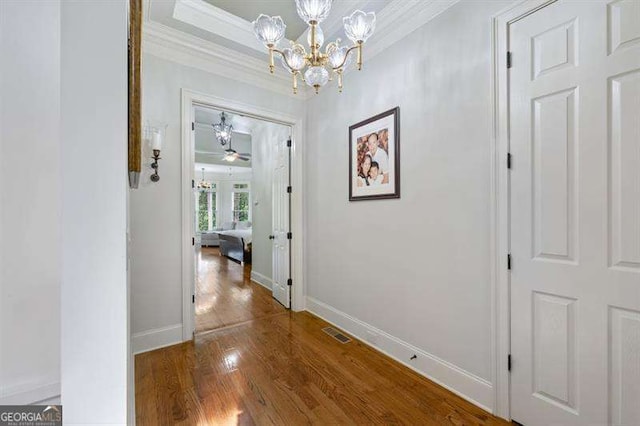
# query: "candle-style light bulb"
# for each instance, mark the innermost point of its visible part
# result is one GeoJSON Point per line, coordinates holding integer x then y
{"type": "Point", "coordinates": [156, 141]}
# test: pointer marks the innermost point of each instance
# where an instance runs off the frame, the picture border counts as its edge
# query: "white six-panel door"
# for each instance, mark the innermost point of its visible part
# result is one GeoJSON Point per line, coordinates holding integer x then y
{"type": "Point", "coordinates": [574, 116]}
{"type": "Point", "coordinates": [281, 244]}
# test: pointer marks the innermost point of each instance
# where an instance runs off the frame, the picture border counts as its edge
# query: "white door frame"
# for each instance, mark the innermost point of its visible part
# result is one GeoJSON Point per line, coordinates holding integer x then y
{"type": "Point", "coordinates": [500, 198]}
{"type": "Point", "coordinates": [190, 98]}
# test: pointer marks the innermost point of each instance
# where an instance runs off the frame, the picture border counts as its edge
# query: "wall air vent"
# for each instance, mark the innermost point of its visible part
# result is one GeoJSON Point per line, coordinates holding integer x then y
{"type": "Point", "coordinates": [336, 334]}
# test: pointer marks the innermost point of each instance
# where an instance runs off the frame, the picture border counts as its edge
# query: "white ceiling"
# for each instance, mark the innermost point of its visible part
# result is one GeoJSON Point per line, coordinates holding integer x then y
{"type": "Point", "coordinates": [250, 10]}
{"type": "Point", "coordinates": [209, 151]}
{"type": "Point", "coordinates": [162, 12]}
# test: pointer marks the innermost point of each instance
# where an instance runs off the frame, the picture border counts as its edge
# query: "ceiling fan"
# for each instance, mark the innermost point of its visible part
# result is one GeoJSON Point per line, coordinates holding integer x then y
{"type": "Point", "coordinates": [230, 155]}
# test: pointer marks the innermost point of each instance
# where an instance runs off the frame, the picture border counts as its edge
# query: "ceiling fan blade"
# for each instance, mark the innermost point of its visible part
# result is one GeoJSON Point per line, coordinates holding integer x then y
{"type": "Point", "coordinates": [243, 158]}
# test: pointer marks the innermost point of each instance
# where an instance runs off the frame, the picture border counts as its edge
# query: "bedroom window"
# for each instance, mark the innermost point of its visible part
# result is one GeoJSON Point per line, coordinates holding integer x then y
{"type": "Point", "coordinates": [206, 208]}
{"type": "Point", "coordinates": [241, 202]}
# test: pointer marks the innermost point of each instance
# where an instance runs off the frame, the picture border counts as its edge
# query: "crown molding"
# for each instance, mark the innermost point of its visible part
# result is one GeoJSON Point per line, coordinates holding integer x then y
{"type": "Point", "coordinates": [177, 46]}
{"type": "Point", "coordinates": [215, 20]}
{"type": "Point", "coordinates": [399, 19]}
{"type": "Point", "coordinates": [218, 21]}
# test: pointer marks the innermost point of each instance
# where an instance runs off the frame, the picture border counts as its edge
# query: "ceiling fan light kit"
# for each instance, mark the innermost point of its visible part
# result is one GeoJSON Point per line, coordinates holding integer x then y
{"type": "Point", "coordinates": [359, 26]}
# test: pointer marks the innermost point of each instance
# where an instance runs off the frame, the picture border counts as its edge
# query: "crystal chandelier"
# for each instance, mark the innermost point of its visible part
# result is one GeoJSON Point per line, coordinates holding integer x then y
{"type": "Point", "coordinates": [204, 184]}
{"type": "Point", "coordinates": [223, 130]}
{"type": "Point", "coordinates": [358, 26]}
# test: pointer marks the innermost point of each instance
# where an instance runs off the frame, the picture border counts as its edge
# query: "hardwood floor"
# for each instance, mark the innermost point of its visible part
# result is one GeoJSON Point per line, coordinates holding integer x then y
{"type": "Point", "coordinates": [225, 294]}
{"type": "Point", "coordinates": [281, 368]}
{"type": "Point", "coordinates": [284, 370]}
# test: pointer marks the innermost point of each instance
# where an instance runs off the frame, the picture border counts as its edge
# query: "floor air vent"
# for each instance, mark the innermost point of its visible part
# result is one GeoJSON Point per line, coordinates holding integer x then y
{"type": "Point", "coordinates": [336, 335]}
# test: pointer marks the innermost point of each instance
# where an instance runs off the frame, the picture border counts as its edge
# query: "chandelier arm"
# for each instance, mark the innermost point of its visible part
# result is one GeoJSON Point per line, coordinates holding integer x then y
{"type": "Point", "coordinates": [346, 56]}
{"type": "Point", "coordinates": [272, 65]}
{"type": "Point", "coordinates": [284, 58]}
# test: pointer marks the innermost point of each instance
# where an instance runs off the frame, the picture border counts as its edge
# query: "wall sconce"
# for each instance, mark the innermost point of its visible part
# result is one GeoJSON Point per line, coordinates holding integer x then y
{"type": "Point", "coordinates": [154, 134]}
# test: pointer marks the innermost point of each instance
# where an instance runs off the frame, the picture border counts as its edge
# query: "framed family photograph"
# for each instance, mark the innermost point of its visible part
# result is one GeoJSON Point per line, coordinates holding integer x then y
{"type": "Point", "coordinates": [374, 157]}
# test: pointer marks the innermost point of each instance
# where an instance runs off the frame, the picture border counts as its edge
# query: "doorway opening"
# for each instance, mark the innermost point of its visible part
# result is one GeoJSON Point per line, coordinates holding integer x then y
{"type": "Point", "coordinates": [287, 280]}
{"type": "Point", "coordinates": [241, 211]}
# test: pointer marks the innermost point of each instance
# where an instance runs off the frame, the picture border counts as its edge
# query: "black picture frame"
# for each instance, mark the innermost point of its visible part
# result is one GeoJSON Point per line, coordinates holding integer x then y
{"type": "Point", "coordinates": [363, 187]}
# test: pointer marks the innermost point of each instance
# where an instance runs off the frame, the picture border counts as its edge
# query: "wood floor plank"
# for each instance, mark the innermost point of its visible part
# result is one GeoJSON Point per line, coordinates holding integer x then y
{"type": "Point", "coordinates": [225, 294]}
{"type": "Point", "coordinates": [259, 364]}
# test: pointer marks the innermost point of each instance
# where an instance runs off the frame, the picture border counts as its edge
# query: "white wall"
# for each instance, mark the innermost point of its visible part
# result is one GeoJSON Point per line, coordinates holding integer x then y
{"type": "Point", "coordinates": [29, 202]}
{"type": "Point", "coordinates": [94, 325]}
{"type": "Point", "coordinates": [265, 137]}
{"type": "Point", "coordinates": [416, 268]}
{"type": "Point", "coordinates": [63, 312]}
{"type": "Point", "coordinates": [156, 208]}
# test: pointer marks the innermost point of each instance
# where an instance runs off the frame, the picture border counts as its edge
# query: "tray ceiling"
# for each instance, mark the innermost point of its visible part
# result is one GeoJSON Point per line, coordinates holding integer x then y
{"type": "Point", "coordinates": [227, 23]}
{"type": "Point", "coordinates": [216, 36]}
{"type": "Point", "coordinates": [249, 11]}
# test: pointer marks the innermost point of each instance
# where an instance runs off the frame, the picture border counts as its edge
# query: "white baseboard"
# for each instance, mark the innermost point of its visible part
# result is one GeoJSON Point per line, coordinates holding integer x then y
{"type": "Point", "coordinates": [25, 395]}
{"type": "Point", "coordinates": [263, 280]}
{"type": "Point", "coordinates": [467, 385]}
{"type": "Point", "coordinates": [156, 338]}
